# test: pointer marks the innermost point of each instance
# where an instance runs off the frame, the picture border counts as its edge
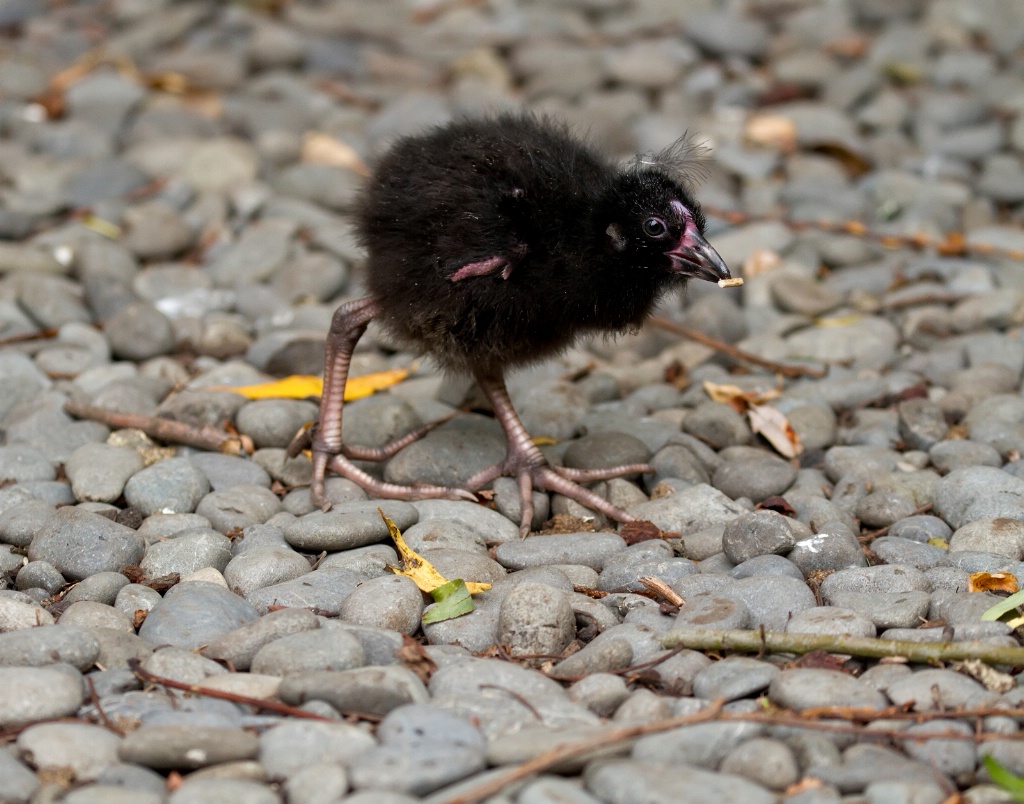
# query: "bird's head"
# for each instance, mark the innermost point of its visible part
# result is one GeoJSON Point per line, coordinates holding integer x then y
{"type": "Point", "coordinates": [653, 222]}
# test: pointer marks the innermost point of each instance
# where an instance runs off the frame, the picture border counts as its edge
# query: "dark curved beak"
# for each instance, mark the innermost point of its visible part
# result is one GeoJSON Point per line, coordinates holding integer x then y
{"type": "Point", "coordinates": [698, 259]}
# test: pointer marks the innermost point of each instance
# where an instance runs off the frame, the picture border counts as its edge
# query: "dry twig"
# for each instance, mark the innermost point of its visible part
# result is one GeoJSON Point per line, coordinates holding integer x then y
{"type": "Point", "coordinates": [774, 642]}
{"type": "Point", "coordinates": [823, 719]}
{"type": "Point", "coordinates": [28, 337]}
{"type": "Point", "coordinates": [259, 703]}
{"type": "Point", "coordinates": [556, 756]}
{"type": "Point", "coordinates": [871, 535]}
{"type": "Point", "coordinates": [167, 430]}
{"type": "Point", "coordinates": [736, 354]}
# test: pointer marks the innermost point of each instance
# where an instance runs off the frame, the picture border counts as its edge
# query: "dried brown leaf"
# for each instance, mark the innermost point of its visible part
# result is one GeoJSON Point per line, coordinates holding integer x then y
{"type": "Point", "coordinates": [641, 531]}
{"type": "Point", "coordinates": [993, 582]}
{"type": "Point", "coordinates": [780, 504]}
{"type": "Point", "coordinates": [566, 523]}
{"type": "Point", "coordinates": [413, 656]}
{"type": "Point", "coordinates": [994, 680]}
{"type": "Point", "coordinates": [771, 131]}
{"type": "Point", "coordinates": [775, 427]}
{"type": "Point", "coordinates": [820, 660]}
{"type": "Point", "coordinates": [323, 149]}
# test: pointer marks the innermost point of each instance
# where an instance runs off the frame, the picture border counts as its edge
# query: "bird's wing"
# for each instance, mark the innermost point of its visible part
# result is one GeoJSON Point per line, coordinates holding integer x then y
{"type": "Point", "coordinates": [483, 268]}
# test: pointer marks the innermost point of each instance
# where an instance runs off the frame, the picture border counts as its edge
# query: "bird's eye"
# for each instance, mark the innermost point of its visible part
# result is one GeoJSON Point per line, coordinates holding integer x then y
{"type": "Point", "coordinates": [655, 228]}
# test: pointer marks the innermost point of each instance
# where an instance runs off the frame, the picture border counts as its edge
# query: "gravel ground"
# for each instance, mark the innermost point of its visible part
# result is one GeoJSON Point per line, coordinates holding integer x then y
{"type": "Point", "coordinates": [176, 184]}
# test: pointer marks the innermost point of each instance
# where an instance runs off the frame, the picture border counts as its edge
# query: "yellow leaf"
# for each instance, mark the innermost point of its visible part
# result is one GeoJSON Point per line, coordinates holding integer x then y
{"type": "Point", "coordinates": [992, 582]}
{"type": "Point", "coordinates": [544, 441]}
{"type": "Point", "coordinates": [417, 568]}
{"type": "Point", "coordinates": [103, 227]}
{"type": "Point", "coordinates": [298, 386]}
{"type": "Point", "coordinates": [838, 321]}
{"type": "Point", "coordinates": [358, 387]}
{"type": "Point", "coordinates": [303, 386]}
{"type": "Point", "coordinates": [902, 72]}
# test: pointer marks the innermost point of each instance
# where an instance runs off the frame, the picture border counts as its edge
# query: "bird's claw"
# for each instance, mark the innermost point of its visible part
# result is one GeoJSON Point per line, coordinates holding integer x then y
{"type": "Point", "coordinates": [373, 486]}
{"type": "Point", "coordinates": [531, 474]}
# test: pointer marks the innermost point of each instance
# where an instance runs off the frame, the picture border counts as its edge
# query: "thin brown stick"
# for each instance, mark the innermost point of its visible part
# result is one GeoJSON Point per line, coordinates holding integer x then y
{"type": "Point", "coordinates": [28, 337]}
{"type": "Point", "coordinates": [346, 95]}
{"type": "Point", "coordinates": [923, 299]}
{"type": "Point", "coordinates": [635, 668]}
{"type": "Point", "coordinates": [792, 720]}
{"type": "Point", "coordinates": [815, 720]}
{"type": "Point", "coordinates": [822, 719]}
{"type": "Point", "coordinates": [775, 642]}
{"type": "Point", "coordinates": [10, 734]}
{"type": "Point", "coordinates": [550, 759]}
{"type": "Point", "coordinates": [871, 535]}
{"type": "Point", "coordinates": [258, 703]}
{"type": "Point", "coordinates": [736, 354]}
{"type": "Point", "coordinates": [952, 245]}
{"type": "Point", "coordinates": [206, 438]}
{"type": "Point", "coordinates": [625, 671]}
{"type": "Point", "coordinates": [95, 699]}
{"type": "Point", "coordinates": [522, 700]}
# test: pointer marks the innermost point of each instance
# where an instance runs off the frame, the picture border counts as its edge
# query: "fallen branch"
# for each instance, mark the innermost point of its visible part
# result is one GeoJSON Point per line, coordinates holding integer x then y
{"type": "Point", "coordinates": [28, 337]}
{"type": "Point", "coordinates": [736, 354]}
{"type": "Point", "coordinates": [629, 673]}
{"type": "Point", "coordinates": [823, 719]}
{"type": "Point", "coordinates": [952, 244]}
{"type": "Point", "coordinates": [167, 430]}
{"type": "Point", "coordinates": [556, 756]}
{"type": "Point", "coordinates": [774, 642]}
{"type": "Point", "coordinates": [259, 703]}
{"type": "Point", "coordinates": [95, 699]}
{"type": "Point", "coordinates": [871, 535]}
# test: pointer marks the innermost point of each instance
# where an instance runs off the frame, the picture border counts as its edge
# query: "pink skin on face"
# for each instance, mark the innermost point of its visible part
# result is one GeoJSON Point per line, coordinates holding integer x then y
{"type": "Point", "coordinates": [693, 255]}
{"type": "Point", "coordinates": [686, 241]}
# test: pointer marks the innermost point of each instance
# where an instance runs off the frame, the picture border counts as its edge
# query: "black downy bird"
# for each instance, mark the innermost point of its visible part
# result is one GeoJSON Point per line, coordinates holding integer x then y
{"type": "Point", "coordinates": [495, 243]}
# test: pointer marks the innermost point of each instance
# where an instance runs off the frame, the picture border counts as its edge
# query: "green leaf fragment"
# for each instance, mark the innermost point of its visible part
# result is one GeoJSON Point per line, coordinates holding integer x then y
{"type": "Point", "coordinates": [453, 600]}
{"type": "Point", "coordinates": [1004, 777]}
{"type": "Point", "coordinates": [1006, 606]}
{"type": "Point", "coordinates": [902, 72]}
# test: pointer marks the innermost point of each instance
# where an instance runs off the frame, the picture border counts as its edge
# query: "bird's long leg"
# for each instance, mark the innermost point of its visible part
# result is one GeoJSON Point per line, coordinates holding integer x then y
{"type": "Point", "coordinates": [527, 464]}
{"type": "Point", "coordinates": [349, 323]}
